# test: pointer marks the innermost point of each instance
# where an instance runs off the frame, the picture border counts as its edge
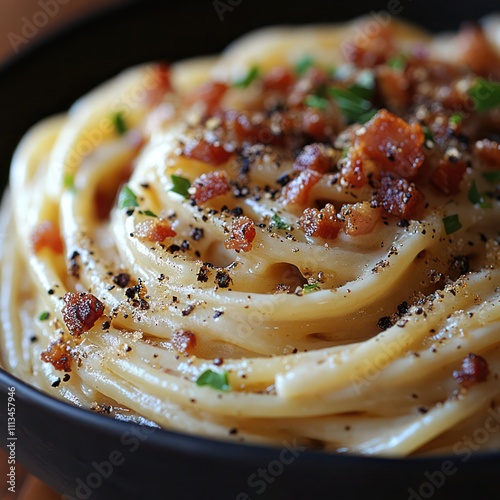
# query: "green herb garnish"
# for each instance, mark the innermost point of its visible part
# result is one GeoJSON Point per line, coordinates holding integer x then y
{"type": "Point", "coordinates": [148, 212]}
{"type": "Point", "coordinates": [303, 65]}
{"type": "Point", "coordinates": [180, 186]}
{"type": "Point", "coordinates": [364, 86]}
{"type": "Point", "coordinates": [119, 123]}
{"type": "Point", "coordinates": [354, 107]}
{"type": "Point", "coordinates": [44, 316]}
{"type": "Point", "coordinates": [492, 177]}
{"type": "Point", "coordinates": [485, 94]}
{"type": "Point", "coordinates": [246, 80]}
{"type": "Point", "coordinates": [451, 223]}
{"type": "Point", "coordinates": [476, 198]}
{"type": "Point", "coordinates": [315, 101]}
{"type": "Point", "coordinates": [313, 287]}
{"type": "Point", "coordinates": [456, 119]}
{"type": "Point", "coordinates": [398, 63]}
{"type": "Point", "coordinates": [279, 223]}
{"type": "Point", "coordinates": [215, 380]}
{"type": "Point", "coordinates": [69, 181]}
{"type": "Point", "coordinates": [127, 198]}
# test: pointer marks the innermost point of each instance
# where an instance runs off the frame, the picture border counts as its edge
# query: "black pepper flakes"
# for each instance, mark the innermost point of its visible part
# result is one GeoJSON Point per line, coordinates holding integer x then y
{"type": "Point", "coordinates": [222, 279]}
{"type": "Point", "coordinates": [121, 279]}
{"type": "Point", "coordinates": [197, 234]}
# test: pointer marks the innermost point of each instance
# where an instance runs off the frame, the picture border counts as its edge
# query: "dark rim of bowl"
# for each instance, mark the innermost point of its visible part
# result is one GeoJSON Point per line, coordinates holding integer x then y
{"type": "Point", "coordinates": [163, 437]}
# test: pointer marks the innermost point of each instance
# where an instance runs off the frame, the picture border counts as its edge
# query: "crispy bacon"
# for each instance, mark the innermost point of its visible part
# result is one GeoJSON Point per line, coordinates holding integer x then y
{"type": "Point", "coordinates": [47, 235]}
{"type": "Point", "coordinates": [398, 197]}
{"type": "Point", "coordinates": [279, 79]}
{"type": "Point", "coordinates": [210, 185]}
{"type": "Point", "coordinates": [313, 157]}
{"type": "Point", "coordinates": [161, 84]}
{"type": "Point", "coordinates": [360, 218]}
{"type": "Point", "coordinates": [476, 51]}
{"type": "Point", "coordinates": [306, 85]}
{"type": "Point", "coordinates": [488, 151]}
{"type": "Point", "coordinates": [212, 153]}
{"type": "Point", "coordinates": [388, 144]}
{"type": "Point", "coordinates": [58, 354]}
{"type": "Point", "coordinates": [314, 123]}
{"type": "Point", "coordinates": [184, 341]}
{"type": "Point", "coordinates": [448, 176]}
{"type": "Point", "coordinates": [155, 230]}
{"type": "Point", "coordinates": [371, 47]}
{"type": "Point", "coordinates": [322, 223]}
{"type": "Point", "coordinates": [474, 370]}
{"type": "Point", "coordinates": [394, 88]}
{"type": "Point", "coordinates": [298, 190]}
{"type": "Point", "coordinates": [210, 94]}
{"type": "Point", "coordinates": [81, 311]}
{"type": "Point", "coordinates": [242, 235]}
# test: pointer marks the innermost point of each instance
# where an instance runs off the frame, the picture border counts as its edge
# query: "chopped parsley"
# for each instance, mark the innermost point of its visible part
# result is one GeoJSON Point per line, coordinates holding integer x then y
{"type": "Point", "coordinates": [485, 94]}
{"type": "Point", "coordinates": [303, 65]}
{"type": "Point", "coordinates": [313, 287]}
{"type": "Point", "coordinates": [476, 198]}
{"type": "Point", "coordinates": [428, 134]}
{"type": "Point", "coordinates": [69, 181]}
{"type": "Point", "coordinates": [456, 119]}
{"type": "Point", "coordinates": [119, 123]}
{"type": "Point", "coordinates": [180, 186]}
{"type": "Point", "coordinates": [398, 63]}
{"type": "Point", "coordinates": [352, 105]}
{"type": "Point", "coordinates": [452, 223]}
{"type": "Point", "coordinates": [44, 316]}
{"type": "Point", "coordinates": [315, 101]}
{"type": "Point", "coordinates": [127, 198]}
{"type": "Point", "coordinates": [279, 223]}
{"type": "Point", "coordinates": [364, 85]}
{"type": "Point", "coordinates": [216, 380]}
{"type": "Point", "coordinates": [246, 80]}
{"type": "Point", "coordinates": [148, 212]}
{"type": "Point", "coordinates": [492, 177]}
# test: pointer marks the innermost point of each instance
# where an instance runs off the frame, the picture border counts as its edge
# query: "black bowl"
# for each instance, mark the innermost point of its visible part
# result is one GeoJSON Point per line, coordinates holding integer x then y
{"type": "Point", "coordinates": [86, 455]}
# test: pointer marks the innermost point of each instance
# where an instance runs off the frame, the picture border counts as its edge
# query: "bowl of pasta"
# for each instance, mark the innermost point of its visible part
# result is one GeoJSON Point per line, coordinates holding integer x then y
{"type": "Point", "coordinates": [273, 271]}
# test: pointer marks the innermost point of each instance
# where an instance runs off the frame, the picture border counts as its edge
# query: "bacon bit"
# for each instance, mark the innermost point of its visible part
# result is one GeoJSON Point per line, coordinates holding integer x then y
{"type": "Point", "coordinates": [242, 235]}
{"type": "Point", "coordinates": [476, 50]}
{"type": "Point", "coordinates": [298, 190]}
{"type": "Point", "coordinates": [210, 185]}
{"type": "Point", "coordinates": [488, 151]}
{"type": "Point", "coordinates": [162, 84]}
{"type": "Point", "coordinates": [308, 84]}
{"type": "Point", "coordinates": [58, 354]}
{"type": "Point", "coordinates": [246, 127]}
{"type": "Point", "coordinates": [360, 218]}
{"type": "Point", "coordinates": [46, 235]}
{"type": "Point", "coordinates": [392, 144]}
{"type": "Point", "coordinates": [394, 88]}
{"type": "Point", "coordinates": [314, 124]}
{"type": "Point", "coordinates": [155, 230]}
{"type": "Point", "coordinates": [81, 311]}
{"type": "Point", "coordinates": [210, 94]}
{"type": "Point", "coordinates": [279, 79]}
{"type": "Point", "coordinates": [370, 49]}
{"type": "Point", "coordinates": [313, 157]}
{"type": "Point", "coordinates": [184, 341]}
{"type": "Point", "coordinates": [474, 370]}
{"type": "Point", "coordinates": [398, 197]}
{"type": "Point", "coordinates": [322, 223]}
{"type": "Point", "coordinates": [448, 176]}
{"type": "Point", "coordinates": [212, 153]}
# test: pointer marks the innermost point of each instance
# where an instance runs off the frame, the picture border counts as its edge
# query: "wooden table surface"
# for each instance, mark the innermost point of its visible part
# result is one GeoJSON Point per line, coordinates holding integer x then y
{"type": "Point", "coordinates": [23, 22]}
